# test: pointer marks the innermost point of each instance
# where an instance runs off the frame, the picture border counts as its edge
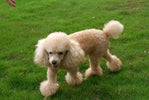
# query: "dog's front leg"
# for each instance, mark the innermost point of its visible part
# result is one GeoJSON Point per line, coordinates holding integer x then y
{"type": "Point", "coordinates": [49, 86]}
{"type": "Point", "coordinates": [73, 77]}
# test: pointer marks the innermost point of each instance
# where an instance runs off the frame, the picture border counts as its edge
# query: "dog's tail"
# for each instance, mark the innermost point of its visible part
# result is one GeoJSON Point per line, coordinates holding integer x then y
{"type": "Point", "coordinates": [113, 29]}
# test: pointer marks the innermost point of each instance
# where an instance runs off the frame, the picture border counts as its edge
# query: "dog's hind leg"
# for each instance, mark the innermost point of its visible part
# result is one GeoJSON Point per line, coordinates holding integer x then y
{"type": "Point", "coordinates": [73, 77]}
{"type": "Point", "coordinates": [94, 68]}
{"type": "Point", "coordinates": [113, 63]}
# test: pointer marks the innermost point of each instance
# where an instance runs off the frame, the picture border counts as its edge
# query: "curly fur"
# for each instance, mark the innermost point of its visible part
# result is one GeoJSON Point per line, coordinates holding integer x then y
{"type": "Point", "coordinates": [41, 57]}
{"type": "Point", "coordinates": [115, 64]}
{"type": "Point", "coordinates": [113, 29]}
{"type": "Point", "coordinates": [47, 89]}
{"type": "Point", "coordinates": [89, 72]}
{"type": "Point", "coordinates": [74, 51]}
{"type": "Point", "coordinates": [76, 80]}
{"type": "Point", "coordinates": [61, 51]}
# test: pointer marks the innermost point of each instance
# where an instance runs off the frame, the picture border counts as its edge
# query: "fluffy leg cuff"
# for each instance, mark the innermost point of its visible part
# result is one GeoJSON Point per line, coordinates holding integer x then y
{"type": "Point", "coordinates": [77, 80]}
{"type": "Point", "coordinates": [47, 89]}
{"type": "Point", "coordinates": [115, 64]}
{"type": "Point", "coordinates": [89, 72]}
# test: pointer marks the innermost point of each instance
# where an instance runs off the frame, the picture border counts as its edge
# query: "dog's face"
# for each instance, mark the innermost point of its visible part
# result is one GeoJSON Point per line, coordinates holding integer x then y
{"type": "Point", "coordinates": [55, 58]}
{"type": "Point", "coordinates": [57, 46]}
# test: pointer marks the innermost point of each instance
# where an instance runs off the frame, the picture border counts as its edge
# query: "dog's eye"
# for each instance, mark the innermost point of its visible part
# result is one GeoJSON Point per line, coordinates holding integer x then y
{"type": "Point", "coordinates": [50, 52]}
{"type": "Point", "coordinates": [60, 53]}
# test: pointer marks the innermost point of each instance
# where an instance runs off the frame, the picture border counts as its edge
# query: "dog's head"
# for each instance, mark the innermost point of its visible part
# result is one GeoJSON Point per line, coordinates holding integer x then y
{"type": "Point", "coordinates": [58, 50]}
{"type": "Point", "coordinates": [56, 46]}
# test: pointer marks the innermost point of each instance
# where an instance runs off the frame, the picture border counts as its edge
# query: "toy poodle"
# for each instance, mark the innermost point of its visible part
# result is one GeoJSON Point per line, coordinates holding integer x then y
{"type": "Point", "coordinates": [61, 51]}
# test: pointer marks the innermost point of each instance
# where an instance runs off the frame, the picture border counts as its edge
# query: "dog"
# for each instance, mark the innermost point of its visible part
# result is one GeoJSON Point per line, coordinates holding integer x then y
{"type": "Point", "coordinates": [61, 51]}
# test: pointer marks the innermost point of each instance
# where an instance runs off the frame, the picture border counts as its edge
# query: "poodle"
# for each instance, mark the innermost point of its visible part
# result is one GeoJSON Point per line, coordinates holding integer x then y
{"type": "Point", "coordinates": [61, 51]}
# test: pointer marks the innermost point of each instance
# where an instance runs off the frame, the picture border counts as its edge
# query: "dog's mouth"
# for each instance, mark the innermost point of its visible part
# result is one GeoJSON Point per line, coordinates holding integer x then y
{"type": "Point", "coordinates": [54, 66]}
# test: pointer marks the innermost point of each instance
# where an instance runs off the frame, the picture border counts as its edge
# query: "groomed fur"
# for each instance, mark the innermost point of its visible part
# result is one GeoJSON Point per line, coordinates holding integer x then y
{"type": "Point", "coordinates": [74, 81]}
{"type": "Point", "coordinates": [41, 57]}
{"type": "Point", "coordinates": [70, 50]}
{"type": "Point", "coordinates": [89, 72]}
{"type": "Point", "coordinates": [74, 56]}
{"type": "Point", "coordinates": [115, 64]}
{"type": "Point", "coordinates": [47, 89]}
{"type": "Point", "coordinates": [113, 29]}
{"type": "Point", "coordinates": [73, 47]}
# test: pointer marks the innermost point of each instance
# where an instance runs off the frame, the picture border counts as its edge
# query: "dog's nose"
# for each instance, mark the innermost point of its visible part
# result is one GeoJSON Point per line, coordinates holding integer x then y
{"type": "Point", "coordinates": [54, 62]}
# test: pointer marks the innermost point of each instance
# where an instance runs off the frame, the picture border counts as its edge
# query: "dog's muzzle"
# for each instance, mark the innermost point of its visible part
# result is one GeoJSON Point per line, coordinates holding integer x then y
{"type": "Point", "coordinates": [54, 64]}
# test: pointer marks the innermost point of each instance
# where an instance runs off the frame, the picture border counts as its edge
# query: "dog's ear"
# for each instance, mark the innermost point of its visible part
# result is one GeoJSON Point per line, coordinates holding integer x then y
{"type": "Point", "coordinates": [41, 56]}
{"type": "Point", "coordinates": [75, 55]}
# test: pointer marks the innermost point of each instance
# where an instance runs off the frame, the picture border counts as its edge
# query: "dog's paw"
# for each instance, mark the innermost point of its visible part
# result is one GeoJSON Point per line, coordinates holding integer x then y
{"type": "Point", "coordinates": [77, 80]}
{"type": "Point", "coordinates": [89, 72]}
{"type": "Point", "coordinates": [48, 89]}
{"type": "Point", "coordinates": [115, 64]}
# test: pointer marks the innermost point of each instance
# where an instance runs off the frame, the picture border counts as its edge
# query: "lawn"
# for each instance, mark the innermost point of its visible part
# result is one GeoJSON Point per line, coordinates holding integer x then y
{"type": "Point", "coordinates": [21, 27]}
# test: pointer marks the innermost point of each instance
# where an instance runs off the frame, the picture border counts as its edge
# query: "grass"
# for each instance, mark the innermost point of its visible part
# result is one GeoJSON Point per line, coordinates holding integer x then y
{"type": "Point", "coordinates": [31, 20]}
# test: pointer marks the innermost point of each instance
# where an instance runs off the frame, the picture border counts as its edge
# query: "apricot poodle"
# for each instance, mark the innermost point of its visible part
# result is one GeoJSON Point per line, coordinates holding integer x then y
{"type": "Point", "coordinates": [61, 51]}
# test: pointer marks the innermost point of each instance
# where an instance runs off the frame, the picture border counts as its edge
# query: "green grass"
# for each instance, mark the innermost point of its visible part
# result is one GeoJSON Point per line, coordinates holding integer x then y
{"type": "Point", "coordinates": [31, 20]}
